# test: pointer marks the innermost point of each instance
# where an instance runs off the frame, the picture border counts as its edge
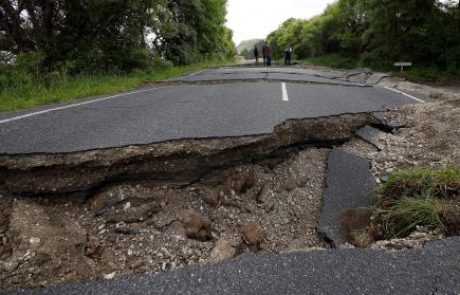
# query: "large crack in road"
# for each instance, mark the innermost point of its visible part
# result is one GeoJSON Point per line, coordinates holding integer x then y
{"type": "Point", "coordinates": [167, 205]}
{"type": "Point", "coordinates": [185, 160]}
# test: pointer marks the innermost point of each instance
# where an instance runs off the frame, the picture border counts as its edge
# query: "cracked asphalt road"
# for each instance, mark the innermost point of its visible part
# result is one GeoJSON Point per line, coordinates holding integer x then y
{"type": "Point", "coordinates": [235, 108]}
{"type": "Point", "coordinates": [201, 110]}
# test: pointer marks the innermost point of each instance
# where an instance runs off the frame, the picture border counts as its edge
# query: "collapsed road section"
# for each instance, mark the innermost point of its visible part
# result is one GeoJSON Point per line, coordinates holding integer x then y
{"type": "Point", "coordinates": [94, 214]}
{"type": "Point", "coordinates": [76, 214]}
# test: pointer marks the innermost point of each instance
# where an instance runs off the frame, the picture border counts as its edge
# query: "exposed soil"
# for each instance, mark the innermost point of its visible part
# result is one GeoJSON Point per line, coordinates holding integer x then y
{"type": "Point", "coordinates": [271, 206]}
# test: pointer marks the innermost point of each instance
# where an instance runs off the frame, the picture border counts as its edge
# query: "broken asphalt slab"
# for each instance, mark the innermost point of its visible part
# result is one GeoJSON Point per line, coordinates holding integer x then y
{"type": "Point", "coordinates": [431, 270]}
{"type": "Point", "coordinates": [371, 135]}
{"type": "Point", "coordinates": [349, 184]}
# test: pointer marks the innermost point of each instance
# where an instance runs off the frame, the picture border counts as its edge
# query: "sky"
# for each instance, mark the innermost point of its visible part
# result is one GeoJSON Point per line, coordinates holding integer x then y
{"type": "Point", "coordinates": [257, 18]}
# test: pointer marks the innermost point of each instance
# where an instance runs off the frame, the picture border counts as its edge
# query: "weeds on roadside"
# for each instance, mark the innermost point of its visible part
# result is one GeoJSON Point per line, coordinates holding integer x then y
{"type": "Point", "coordinates": [419, 197]}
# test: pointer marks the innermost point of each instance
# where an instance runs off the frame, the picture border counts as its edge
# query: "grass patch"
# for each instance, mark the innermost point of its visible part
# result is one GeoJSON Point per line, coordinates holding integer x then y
{"type": "Point", "coordinates": [26, 91]}
{"type": "Point", "coordinates": [419, 197]}
{"type": "Point", "coordinates": [439, 183]}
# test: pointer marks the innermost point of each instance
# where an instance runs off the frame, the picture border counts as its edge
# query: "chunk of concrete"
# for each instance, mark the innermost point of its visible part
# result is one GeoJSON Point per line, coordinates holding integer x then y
{"type": "Point", "coordinates": [395, 123]}
{"type": "Point", "coordinates": [371, 135]}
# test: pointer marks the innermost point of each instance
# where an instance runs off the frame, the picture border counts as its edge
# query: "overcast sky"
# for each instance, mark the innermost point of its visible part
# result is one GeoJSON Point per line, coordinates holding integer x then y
{"type": "Point", "coordinates": [257, 18]}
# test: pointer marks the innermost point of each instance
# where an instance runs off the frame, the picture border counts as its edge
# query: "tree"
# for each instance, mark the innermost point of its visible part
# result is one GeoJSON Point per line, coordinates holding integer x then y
{"type": "Point", "coordinates": [112, 35]}
{"type": "Point", "coordinates": [379, 32]}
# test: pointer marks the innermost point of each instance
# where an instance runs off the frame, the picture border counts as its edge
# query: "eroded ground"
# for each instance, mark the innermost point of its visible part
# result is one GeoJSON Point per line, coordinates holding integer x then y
{"type": "Point", "coordinates": [138, 227]}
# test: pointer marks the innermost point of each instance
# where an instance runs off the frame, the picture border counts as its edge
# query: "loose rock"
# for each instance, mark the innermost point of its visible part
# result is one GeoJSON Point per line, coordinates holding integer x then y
{"type": "Point", "coordinates": [223, 249]}
{"type": "Point", "coordinates": [212, 199]}
{"type": "Point", "coordinates": [264, 195]}
{"type": "Point", "coordinates": [197, 227]}
{"type": "Point", "coordinates": [252, 233]}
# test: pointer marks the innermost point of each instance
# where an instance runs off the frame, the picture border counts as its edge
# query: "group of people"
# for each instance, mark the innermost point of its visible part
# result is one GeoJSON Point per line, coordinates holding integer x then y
{"type": "Point", "coordinates": [267, 55]}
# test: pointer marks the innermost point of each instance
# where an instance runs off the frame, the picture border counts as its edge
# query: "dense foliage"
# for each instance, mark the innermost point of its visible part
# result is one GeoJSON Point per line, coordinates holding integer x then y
{"type": "Point", "coordinates": [113, 35]}
{"type": "Point", "coordinates": [379, 33]}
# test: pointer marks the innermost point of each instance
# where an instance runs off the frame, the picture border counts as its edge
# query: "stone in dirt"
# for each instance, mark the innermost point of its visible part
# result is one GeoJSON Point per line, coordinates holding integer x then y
{"type": "Point", "coordinates": [264, 194]}
{"type": "Point", "coordinates": [107, 258]}
{"type": "Point", "coordinates": [104, 200]}
{"type": "Point", "coordinates": [212, 198]}
{"type": "Point", "coordinates": [252, 233]}
{"type": "Point", "coordinates": [223, 249]}
{"type": "Point", "coordinates": [10, 266]}
{"type": "Point", "coordinates": [137, 263]}
{"type": "Point", "coordinates": [197, 227]}
{"type": "Point", "coordinates": [250, 181]}
{"type": "Point", "coordinates": [135, 214]}
{"type": "Point", "coordinates": [176, 231]}
{"type": "Point", "coordinates": [239, 181]}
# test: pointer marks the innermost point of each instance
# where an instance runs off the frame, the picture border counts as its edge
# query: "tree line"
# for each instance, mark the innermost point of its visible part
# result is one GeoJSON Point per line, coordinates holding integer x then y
{"type": "Point", "coordinates": [114, 35]}
{"type": "Point", "coordinates": [379, 33]}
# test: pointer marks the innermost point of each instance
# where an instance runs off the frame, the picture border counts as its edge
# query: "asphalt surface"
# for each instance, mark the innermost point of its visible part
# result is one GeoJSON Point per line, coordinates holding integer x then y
{"type": "Point", "coordinates": [173, 112]}
{"type": "Point", "coordinates": [349, 184]}
{"type": "Point", "coordinates": [431, 270]}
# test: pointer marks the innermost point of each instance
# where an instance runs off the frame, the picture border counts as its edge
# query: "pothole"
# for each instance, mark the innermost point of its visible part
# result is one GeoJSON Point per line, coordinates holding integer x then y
{"type": "Point", "coordinates": [104, 213]}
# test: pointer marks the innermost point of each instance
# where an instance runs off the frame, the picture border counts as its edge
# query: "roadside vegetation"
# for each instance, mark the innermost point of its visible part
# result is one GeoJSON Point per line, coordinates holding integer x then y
{"type": "Point", "coordinates": [377, 34]}
{"type": "Point", "coordinates": [421, 197]}
{"type": "Point", "coordinates": [55, 50]}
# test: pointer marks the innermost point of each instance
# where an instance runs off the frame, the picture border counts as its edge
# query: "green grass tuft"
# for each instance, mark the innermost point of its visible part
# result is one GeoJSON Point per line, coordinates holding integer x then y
{"type": "Point", "coordinates": [410, 212]}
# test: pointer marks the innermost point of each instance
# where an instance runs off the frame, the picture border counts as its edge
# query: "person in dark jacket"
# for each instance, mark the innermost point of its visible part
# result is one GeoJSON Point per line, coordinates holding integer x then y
{"type": "Point", "coordinates": [267, 54]}
{"type": "Point", "coordinates": [287, 56]}
{"type": "Point", "coordinates": [256, 54]}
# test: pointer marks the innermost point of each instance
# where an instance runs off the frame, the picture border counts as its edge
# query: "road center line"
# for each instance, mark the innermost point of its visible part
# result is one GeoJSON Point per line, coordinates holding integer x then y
{"type": "Point", "coordinates": [405, 94]}
{"type": "Point", "coordinates": [75, 105]}
{"type": "Point", "coordinates": [284, 91]}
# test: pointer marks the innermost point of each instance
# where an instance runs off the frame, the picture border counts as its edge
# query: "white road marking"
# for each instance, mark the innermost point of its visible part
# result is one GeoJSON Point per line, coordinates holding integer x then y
{"type": "Point", "coordinates": [75, 105]}
{"type": "Point", "coordinates": [285, 93]}
{"type": "Point", "coordinates": [405, 94]}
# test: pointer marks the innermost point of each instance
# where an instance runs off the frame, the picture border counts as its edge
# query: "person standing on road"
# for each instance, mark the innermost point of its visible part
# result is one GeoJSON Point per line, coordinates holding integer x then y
{"type": "Point", "coordinates": [267, 54]}
{"type": "Point", "coordinates": [256, 54]}
{"type": "Point", "coordinates": [287, 56]}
